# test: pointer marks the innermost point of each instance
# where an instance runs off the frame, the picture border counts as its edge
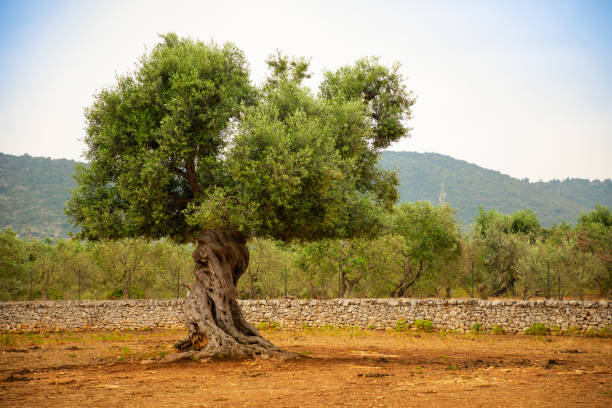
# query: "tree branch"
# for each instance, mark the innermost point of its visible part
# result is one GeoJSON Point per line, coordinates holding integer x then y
{"type": "Point", "coordinates": [180, 200]}
{"type": "Point", "coordinates": [189, 175]}
{"type": "Point", "coordinates": [192, 177]}
{"type": "Point", "coordinates": [178, 171]}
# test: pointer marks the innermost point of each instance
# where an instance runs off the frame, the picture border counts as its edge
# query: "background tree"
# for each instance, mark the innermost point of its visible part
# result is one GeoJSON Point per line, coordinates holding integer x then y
{"type": "Point", "coordinates": [186, 147]}
{"type": "Point", "coordinates": [594, 231]}
{"type": "Point", "coordinates": [45, 266]}
{"type": "Point", "coordinates": [500, 248]}
{"type": "Point", "coordinates": [316, 272]}
{"type": "Point", "coordinates": [383, 265]}
{"type": "Point", "coordinates": [83, 270]}
{"type": "Point", "coordinates": [123, 268]}
{"type": "Point", "coordinates": [172, 265]}
{"type": "Point", "coordinates": [432, 239]}
{"type": "Point", "coordinates": [12, 266]}
{"type": "Point", "coordinates": [270, 273]}
{"type": "Point", "coordinates": [533, 270]}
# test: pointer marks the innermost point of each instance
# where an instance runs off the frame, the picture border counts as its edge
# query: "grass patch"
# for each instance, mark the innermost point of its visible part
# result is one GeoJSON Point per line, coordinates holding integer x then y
{"type": "Point", "coordinates": [268, 326]}
{"type": "Point", "coordinates": [572, 331]}
{"type": "Point", "coordinates": [8, 339]}
{"type": "Point", "coordinates": [423, 325]}
{"type": "Point", "coordinates": [401, 325]}
{"type": "Point", "coordinates": [537, 329]}
{"type": "Point", "coordinates": [111, 336]}
{"type": "Point", "coordinates": [605, 332]}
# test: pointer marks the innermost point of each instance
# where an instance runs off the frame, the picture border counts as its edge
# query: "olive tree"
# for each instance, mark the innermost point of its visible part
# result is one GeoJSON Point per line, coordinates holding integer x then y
{"type": "Point", "coordinates": [432, 239]}
{"type": "Point", "coordinates": [185, 147]}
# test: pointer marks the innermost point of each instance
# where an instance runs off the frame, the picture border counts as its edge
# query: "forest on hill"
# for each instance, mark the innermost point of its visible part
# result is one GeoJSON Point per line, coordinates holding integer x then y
{"type": "Point", "coordinates": [468, 186]}
{"type": "Point", "coordinates": [33, 191]}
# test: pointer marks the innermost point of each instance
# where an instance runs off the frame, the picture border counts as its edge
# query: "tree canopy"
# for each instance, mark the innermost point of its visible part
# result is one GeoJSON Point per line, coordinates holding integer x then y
{"type": "Point", "coordinates": [186, 143]}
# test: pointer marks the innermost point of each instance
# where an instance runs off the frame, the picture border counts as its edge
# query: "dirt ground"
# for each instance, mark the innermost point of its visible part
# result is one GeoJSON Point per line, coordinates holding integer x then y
{"type": "Point", "coordinates": [337, 368]}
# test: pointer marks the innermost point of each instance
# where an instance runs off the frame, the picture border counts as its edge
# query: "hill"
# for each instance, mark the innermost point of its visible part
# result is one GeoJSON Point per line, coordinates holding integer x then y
{"type": "Point", "coordinates": [468, 186]}
{"type": "Point", "coordinates": [33, 190]}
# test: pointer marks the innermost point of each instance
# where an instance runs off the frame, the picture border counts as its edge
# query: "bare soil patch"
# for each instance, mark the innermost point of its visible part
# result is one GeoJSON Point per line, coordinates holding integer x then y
{"type": "Point", "coordinates": [339, 368]}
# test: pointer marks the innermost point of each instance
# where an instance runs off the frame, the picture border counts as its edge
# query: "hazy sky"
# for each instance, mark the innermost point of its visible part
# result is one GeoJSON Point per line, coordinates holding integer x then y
{"type": "Point", "coordinates": [523, 87]}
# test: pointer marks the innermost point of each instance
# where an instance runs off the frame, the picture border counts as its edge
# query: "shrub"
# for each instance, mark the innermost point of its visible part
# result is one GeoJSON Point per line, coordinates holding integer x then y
{"type": "Point", "coordinates": [497, 329]}
{"type": "Point", "coordinates": [401, 325]}
{"type": "Point", "coordinates": [423, 325]}
{"type": "Point", "coordinates": [537, 329]}
{"type": "Point", "coordinates": [476, 327]}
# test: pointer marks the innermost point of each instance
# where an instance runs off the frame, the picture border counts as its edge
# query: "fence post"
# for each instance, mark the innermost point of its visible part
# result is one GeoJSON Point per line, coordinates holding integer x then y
{"type": "Point", "coordinates": [472, 278]}
{"type": "Point", "coordinates": [548, 280]}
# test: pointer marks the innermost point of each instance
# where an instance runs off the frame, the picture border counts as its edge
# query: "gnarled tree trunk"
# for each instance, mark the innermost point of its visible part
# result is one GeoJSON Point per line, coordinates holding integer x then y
{"type": "Point", "coordinates": [216, 327]}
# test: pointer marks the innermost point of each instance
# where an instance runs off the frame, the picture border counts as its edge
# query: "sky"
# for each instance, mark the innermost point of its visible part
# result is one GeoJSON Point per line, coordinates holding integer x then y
{"type": "Point", "coordinates": [522, 87]}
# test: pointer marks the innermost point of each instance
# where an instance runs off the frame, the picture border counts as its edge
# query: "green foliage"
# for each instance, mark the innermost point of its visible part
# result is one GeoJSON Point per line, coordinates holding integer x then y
{"type": "Point", "coordinates": [523, 222]}
{"type": "Point", "coordinates": [351, 268]}
{"type": "Point", "coordinates": [401, 325]}
{"type": "Point", "coordinates": [285, 69]}
{"type": "Point", "coordinates": [537, 329]}
{"type": "Point", "coordinates": [423, 325]}
{"type": "Point", "coordinates": [600, 215]}
{"type": "Point", "coordinates": [476, 328]}
{"type": "Point", "coordinates": [186, 143]}
{"type": "Point", "coordinates": [124, 268]}
{"type": "Point", "coordinates": [497, 329]}
{"type": "Point", "coordinates": [594, 236]}
{"type": "Point", "coordinates": [172, 268]}
{"type": "Point", "coordinates": [12, 266]}
{"type": "Point", "coordinates": [498, 252]}
{"type": "Point", "coordinates": [431, 236]}
{"type": "Point", "coordinates": [381, 90]}
{"type": "Point", "coordinates": [69, 269]}
{"type": "Point", "coordinates": [155, 140]}
{"type": "Point", "coordinates": [271, 272]}
{"type": "Point", "coordinates": [533, 270]}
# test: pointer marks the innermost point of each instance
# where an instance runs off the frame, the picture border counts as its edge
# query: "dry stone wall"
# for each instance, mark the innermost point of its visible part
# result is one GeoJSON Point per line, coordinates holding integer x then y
{"type": "Point", "coordinates": [457, 314]}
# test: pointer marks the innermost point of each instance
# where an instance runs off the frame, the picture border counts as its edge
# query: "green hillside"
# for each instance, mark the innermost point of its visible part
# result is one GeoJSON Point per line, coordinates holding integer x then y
{"type": "Point", "coordinates": [468, 186]}
{"type": "Point", "coordinates": [33, 190]}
